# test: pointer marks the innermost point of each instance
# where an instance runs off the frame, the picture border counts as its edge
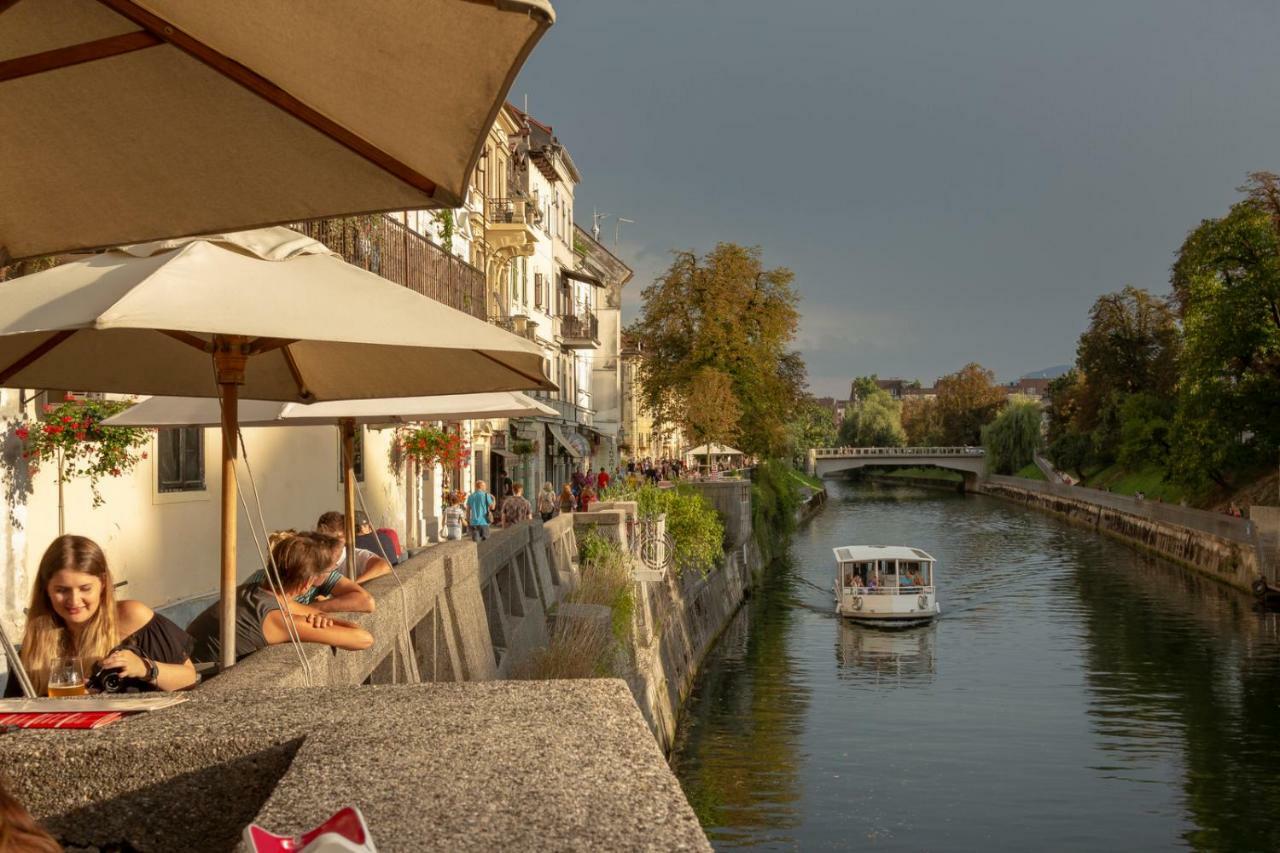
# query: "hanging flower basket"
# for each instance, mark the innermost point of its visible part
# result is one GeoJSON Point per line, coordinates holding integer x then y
{"type": "Point", "coordinates": [428, 446]}
{"type": "Point", "coordinates": [73, 430]}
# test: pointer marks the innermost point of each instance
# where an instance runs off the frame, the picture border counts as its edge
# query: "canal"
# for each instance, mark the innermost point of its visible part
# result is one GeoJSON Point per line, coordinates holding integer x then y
{"type": "Point", "coordinates": [1074, 694]}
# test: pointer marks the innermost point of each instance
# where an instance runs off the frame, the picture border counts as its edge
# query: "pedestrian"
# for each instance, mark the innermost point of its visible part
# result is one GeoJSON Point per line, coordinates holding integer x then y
{"type": "Point", "coordinates": [479, 505]}
{"type": "Point", "coordinates": [454, 517]}
{"type": "Point", "coordinates": [585, 498]}
{"type": "Point", "coordinates": [547, 502]}
{"type": "Point", "coordinates": [516, 509]}
{"type": "Point", "coordinates": [602, 479]}
{"type": "Point", "coordinates": [568, 500]}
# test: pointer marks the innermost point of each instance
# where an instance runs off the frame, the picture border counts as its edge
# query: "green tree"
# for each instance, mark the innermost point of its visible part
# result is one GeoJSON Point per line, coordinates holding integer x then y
{"type": "Point", "coordinates": [876, 421]}
{"type": "Point", "coordinates": [1146, 421]}
{"type": "Point", "coordinates": [1071, 451]}
{"type": "Point", "coordinates": [724, 311]}
{"type": "Point", "coordinates": [921, 422]}
{"type": "Point", "coordinates": [1012, 439]}
{"type": "Point", "coordinates": [967, 400]}
{"type": "Point", "coordinates": [862, 387]}
{"type": "Point", "coordinates": [814, 425]}
{"type": "Point", "coordinates": [1226, 283]}
{"type": "Point", "coordinates": [1131, 345]}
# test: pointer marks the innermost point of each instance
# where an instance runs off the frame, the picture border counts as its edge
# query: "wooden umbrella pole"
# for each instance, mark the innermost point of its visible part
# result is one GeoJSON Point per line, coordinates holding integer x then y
{"type": "Point", "coordinates": [229, 362]}
{"type": "Point", "coordinates": [348, 427]}
{"type": "Point", "coordinates": [410, 502]}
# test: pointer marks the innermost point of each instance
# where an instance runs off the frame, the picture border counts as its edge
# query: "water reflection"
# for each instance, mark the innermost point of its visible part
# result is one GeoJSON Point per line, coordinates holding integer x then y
{"type": "Point", "coordinates": [879, 657]}
{"type": "Point", "coordinates": [1073, 695]}
{"type": "Point", "coordinates": [750, 702]}
{"type": "Point", "coordinates": [1175, 660]}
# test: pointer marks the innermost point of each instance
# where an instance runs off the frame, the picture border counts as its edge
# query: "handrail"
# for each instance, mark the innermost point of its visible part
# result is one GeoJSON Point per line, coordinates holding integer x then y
{"type": "Point", "coordinates": [828, 452]}
{"type": "Point", "coordinates": [888, 590]}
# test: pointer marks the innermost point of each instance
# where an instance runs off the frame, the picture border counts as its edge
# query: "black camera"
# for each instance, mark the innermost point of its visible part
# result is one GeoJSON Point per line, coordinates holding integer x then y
{"type": "Point", "coordinates": [109, 680]}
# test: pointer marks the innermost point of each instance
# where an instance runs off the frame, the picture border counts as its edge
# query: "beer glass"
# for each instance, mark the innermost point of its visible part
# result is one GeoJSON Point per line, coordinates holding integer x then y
{"type": "Point", "coordinates": [66, 677]}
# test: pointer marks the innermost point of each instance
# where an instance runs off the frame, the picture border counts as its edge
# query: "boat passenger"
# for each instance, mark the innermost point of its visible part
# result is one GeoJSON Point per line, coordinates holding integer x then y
{"type": "Point", "coordinates": [301, 560]}
{"type": "Point", "coordinates": [368, 564]}
{"type": "Point", "coordinates": [333, 593]}
{"type": "Point", "coordinates": [74, 613]}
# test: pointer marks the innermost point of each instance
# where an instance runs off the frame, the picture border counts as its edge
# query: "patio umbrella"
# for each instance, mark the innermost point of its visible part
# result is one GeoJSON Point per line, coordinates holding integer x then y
{"type": "Point", "coordinates": [130, 120]}
{"type": "Point", "coordinates": [269, 311]}
{"type": "Point", "coordinates": [162, 412]}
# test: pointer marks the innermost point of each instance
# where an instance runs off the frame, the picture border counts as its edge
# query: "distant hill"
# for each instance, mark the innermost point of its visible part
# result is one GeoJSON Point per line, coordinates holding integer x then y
{"type": "Point", "coordinates": [1049, 372]}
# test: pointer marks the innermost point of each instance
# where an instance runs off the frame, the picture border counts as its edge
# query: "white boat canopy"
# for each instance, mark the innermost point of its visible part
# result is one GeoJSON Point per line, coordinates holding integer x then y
{"type": "Point", "coordinates": [866, 553]}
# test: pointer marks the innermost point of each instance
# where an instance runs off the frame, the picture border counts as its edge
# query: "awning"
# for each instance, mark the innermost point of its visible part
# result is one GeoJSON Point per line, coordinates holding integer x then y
{"type": "Point", "coordinates": [563, 441]}
{"type": "Point", "coordinates": [578, 275]}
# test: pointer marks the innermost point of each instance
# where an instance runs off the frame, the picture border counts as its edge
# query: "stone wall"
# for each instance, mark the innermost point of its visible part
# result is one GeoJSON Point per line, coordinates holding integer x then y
{"type": "Point", "coordinates": [1227, 554]}
{"type": "Point", "coordinates": [458, 611]}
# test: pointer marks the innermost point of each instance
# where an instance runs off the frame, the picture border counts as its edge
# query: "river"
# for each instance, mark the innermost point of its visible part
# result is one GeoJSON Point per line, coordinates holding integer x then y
{"type": "Point", "coordinates": [1074, 695]}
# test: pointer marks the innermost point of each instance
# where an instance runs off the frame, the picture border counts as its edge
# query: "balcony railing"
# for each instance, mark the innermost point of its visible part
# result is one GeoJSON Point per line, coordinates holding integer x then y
{"type": "Point", "coordinates": [511, 211]}
{"type": "Point", "coordinates": [580, 327]}
{"type": "Point", "coordinates": [384, 246]}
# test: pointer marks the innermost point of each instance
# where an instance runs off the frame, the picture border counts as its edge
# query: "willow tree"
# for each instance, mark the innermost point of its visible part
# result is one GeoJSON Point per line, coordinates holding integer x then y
{"type": "Point", "coordinates": [722, 323]}
{"type": "Point", "coordinates": [1012, 439]}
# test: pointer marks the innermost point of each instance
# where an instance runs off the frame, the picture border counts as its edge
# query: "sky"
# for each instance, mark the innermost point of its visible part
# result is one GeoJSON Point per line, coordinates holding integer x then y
{"type": "Point", "coordinates": [949, 181]}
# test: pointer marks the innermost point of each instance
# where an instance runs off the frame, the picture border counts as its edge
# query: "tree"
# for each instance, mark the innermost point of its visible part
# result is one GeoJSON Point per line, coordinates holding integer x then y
{"type": "Point", "coordinates": [814, 425]}
{"type": "Point", "coordinates": [921, 422]}
{"type": "Point", "coordinates": [1131, 346]}
{"type": "Point", "coordinates": [1226, 282]}
{"type": "Point", "coordinates": [1071, 451]}
{"type": "Point", "coordinates": [967, 400]}
{"type": "Point", "coordinates": [876, 421]}
{"type": "Point", "coordinates": [862, 387]}
{"type": "Point", "coordinates": [726, 312]}
{"type": "Point", "coordinates": [710, 412]}
{"type": "Point", "coordinates": [1012, 439]}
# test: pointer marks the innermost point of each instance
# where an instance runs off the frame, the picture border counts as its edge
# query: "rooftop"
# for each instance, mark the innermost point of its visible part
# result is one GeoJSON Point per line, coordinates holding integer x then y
{"type": "Point", "coordinates": [855, 553]}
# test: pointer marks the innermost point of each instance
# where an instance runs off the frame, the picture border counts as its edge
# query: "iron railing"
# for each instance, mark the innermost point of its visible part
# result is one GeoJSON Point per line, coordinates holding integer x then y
{"type": "Point", "coordinates": [388, 248]}
{"type": "Point", "coordinates": [581, 326]}
{"type": "Point", "coordinates": [826, 452]}
{"type": "Point", "coordinates": [508, 211]}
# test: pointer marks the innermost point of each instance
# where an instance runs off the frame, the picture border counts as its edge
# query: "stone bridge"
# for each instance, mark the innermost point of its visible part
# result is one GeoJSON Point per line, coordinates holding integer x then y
{"type": "Point", "coordinates": [969, 461]}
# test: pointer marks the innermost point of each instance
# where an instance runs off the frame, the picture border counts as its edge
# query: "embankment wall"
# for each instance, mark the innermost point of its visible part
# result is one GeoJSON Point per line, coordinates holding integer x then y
{"type": "Point", "coordinates": [1216, 545]}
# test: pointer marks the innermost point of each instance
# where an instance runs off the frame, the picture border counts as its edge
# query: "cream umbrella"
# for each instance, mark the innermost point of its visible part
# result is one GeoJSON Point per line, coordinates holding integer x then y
{"type": "Point", "coordinates": [162, 412]}
{"type": "Point", "coordinates": [267, 311]}
{"type": "Point", "coordinates": [130, 120]}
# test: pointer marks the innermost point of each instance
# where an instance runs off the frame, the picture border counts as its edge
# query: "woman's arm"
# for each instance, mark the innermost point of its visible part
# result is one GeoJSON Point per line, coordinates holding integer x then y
{"type": "Point", "coordinates": [169, 676]}
{"type": "Point", "coordinates": [347, 597]}
{"type": "Point", "coordinates": [317, 628]}
{"type": "Point", "coordinates": [375, 568]}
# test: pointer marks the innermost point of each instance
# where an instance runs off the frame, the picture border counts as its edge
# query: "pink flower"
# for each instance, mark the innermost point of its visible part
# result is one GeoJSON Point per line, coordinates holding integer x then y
{"type": "Point", "coordinates": [144, 454]}
{"type": "Point", "coordinates": [47, 408]}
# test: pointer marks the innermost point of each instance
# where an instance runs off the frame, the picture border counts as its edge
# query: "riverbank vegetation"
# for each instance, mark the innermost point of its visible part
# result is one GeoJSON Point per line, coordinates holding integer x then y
{"type": "Point", "coordinates": [693, 523]}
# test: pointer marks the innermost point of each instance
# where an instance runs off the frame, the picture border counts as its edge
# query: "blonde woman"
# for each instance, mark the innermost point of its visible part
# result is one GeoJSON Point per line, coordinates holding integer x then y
{"type": "Point", "coordinates": [302, 560]}
{"type": "Point", "coordinates": [74, 613]}
{"type": "Point", "coordinates": [547, 502]}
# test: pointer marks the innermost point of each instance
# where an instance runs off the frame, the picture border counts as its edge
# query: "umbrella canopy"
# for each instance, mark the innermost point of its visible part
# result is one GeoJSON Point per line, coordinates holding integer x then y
{"type": "Point", "coordinates": [143, 320]}
{"type": "Point", "coordinates": [713, 450]}
{"type": "Point", "coordinates": [162, 412]}
{"type": "Point", "coordinates": [128, 120]}
{"type": "Point", "coordinates": [270, 311]}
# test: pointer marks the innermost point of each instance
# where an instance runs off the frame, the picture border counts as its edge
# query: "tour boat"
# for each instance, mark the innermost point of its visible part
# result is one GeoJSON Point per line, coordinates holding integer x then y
{"type": "Point", "coordinates": [889, 585]}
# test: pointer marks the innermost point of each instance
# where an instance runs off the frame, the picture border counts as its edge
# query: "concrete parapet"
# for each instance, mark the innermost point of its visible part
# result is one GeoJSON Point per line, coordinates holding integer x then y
{"type": "Point", "coordinates": [732, 500]}
{"type": "Point", "coordinates": [1226, 554]}
{"type": "Point", "coordinates": [502, 765]}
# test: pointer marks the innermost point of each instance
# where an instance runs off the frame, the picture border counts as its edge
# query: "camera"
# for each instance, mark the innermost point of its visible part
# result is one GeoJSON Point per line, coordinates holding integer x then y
{"type": "Point", "coordinates": [109, 680]}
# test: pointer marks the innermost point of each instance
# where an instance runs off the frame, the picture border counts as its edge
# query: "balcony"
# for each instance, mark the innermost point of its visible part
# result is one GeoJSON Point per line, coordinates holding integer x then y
{"type": "Point", "coordinates": [509, 225]}
{"type": "Point", "coordinates": [569, 412]}
{"type": "Point", "coordinates": [518, 324]}
{"type": "Point", "coordinates": [387, 248]}
{"type": "Point", "coordinates": [580, 330]}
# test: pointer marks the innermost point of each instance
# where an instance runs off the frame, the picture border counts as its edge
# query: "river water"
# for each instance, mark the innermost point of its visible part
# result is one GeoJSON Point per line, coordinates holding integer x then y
{"type": "Point", "coordinates": [1074, 695]}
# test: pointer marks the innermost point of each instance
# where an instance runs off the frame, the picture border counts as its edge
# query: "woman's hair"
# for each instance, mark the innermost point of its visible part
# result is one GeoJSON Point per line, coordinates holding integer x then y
{"type": "Point", "coordinates": [547, 487]}
{"type": "Point", "coordinates": [299, 557]}
{"type": "Point", "coordinates": [18, 830]}
{"type": "Point", "coordinates": [567, 490]}
{"type": "Point", "coordinates": [46, 635]}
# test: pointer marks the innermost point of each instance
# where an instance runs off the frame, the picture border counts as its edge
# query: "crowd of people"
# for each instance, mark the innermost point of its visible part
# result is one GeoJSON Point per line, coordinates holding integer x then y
{"type": "Point", "coordinates": [74, 620]}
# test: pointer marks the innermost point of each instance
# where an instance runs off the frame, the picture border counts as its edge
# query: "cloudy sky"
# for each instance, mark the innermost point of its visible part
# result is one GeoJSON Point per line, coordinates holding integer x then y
{"type": "Point", "coordinates": [950, 180]}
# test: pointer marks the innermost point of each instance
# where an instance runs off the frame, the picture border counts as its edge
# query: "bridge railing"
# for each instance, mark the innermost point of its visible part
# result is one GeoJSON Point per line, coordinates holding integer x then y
{"type": "Point", "coordinates": [843, 452]}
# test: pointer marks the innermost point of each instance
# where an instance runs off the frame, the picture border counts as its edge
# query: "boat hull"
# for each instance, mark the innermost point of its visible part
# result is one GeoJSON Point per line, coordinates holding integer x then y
{"type": "Point", "coordinates": [892, 610]}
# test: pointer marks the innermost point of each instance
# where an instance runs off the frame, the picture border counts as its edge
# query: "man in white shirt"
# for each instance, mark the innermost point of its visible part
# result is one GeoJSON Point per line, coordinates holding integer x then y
{"type": "Point", "coordinates": [368, 564]}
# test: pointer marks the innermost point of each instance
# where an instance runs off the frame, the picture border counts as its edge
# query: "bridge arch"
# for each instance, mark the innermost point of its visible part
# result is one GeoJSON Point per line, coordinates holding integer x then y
{"type": "Point", "coordinates": [969, 461]}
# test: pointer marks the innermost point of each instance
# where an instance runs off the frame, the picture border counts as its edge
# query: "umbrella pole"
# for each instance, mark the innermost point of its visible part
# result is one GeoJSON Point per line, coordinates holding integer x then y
{"type": "Point", "coordinates": [229, 362]}
{"type": "Point", "coordinates": [410, 502]}
{"type": "Point", "coordinates": [348, 428]}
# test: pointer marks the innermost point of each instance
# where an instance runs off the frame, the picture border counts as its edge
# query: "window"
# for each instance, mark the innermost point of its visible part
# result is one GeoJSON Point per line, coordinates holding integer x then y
{"type": "Point", "coordinates": [180, 460]}
{"type": "Point", "coordinates": [357, 463]}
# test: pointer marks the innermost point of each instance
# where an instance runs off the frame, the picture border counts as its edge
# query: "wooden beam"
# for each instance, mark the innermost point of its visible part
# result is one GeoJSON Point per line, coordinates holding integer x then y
{"type": "Point", "coordinates": [270, 92]}
{"type": "Point", "coordinates": [194, 341]}
{"type": "Point", "coordinates": [36, 354]}
{"type": "Point", "coordinates": [297, 373]}
{"type": "Point", "coordinates": [64, 57]}
{"type": "Point", "coordinates": [258, 346]}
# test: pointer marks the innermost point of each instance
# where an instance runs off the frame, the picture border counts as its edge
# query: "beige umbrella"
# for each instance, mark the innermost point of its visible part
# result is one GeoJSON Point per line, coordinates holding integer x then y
{"type": "Point", "coordinates": [162, 412]}
{"type": "Point", "coordinates": [129, 120]}
{"type": "Point", "coordinates": [269, 311]}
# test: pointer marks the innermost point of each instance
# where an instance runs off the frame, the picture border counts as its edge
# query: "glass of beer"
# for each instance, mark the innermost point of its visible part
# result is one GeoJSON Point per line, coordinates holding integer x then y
{"type": "Point", "coordinates": [66, 677]}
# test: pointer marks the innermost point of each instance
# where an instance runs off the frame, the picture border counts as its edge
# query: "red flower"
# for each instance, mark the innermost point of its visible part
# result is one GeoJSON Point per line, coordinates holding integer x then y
{"type": "Point", "coordinates": [66, 419]}
{"type": "Point", "coordinates": [144, 454]}
{"type": "Point", "coordinates": [52, 429]}
{"type": "Point", "coordinates": [22, 432]}
{"type": "Point", "coordinates": [115, 472]}
{"type": "Point", "coordinates": [47, 408]}
{"type": "Point", "coordinates": [80, 436]}
{"type": "Point", "coordinates": [69, 397]}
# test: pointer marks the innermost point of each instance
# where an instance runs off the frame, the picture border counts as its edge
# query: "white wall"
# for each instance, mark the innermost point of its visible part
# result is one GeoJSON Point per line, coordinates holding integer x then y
{"type": "Point", "coordinates": [167, 545]}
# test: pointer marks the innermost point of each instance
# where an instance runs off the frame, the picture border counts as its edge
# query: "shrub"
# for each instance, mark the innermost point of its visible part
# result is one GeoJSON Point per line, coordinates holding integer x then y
{"type": "Point", "coordinates": [773, 506]}
{"type": "Point", "coordinates": [693, 523]}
